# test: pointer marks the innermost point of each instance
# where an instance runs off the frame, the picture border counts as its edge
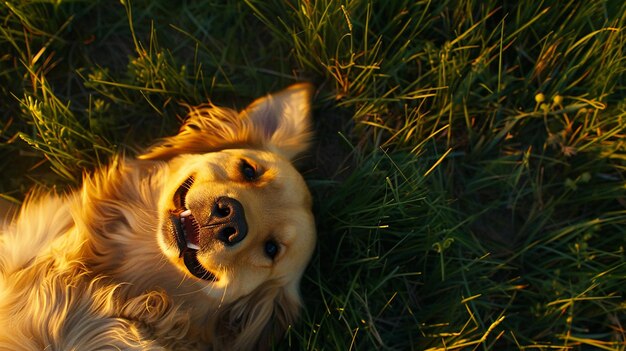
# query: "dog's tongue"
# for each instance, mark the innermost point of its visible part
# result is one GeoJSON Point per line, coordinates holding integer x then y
{"type": "Point", "coordinates": [192, 230]}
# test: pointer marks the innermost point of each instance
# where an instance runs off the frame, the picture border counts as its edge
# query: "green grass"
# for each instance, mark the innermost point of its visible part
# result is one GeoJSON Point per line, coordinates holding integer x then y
{"type": "Point", "coordinates": [470, 170]}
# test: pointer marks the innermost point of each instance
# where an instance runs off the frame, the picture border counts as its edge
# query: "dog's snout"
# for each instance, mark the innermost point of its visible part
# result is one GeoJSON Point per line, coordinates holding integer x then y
{"type": "Point", "coordinates": [227, 222]}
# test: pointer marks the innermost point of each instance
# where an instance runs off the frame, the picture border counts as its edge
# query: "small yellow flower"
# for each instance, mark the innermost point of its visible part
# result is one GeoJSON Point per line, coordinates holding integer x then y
{"type": "Point", "coordinates": [539, 98]}
{"type": "Point", "coordinates": [557, 99]}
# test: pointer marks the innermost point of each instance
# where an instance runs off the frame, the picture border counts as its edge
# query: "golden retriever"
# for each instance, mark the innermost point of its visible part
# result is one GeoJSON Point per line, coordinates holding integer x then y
{"type": "Point", "coordinates": [200, 243]}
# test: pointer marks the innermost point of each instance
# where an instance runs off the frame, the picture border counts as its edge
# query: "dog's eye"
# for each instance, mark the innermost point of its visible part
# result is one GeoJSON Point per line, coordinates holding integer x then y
{"type": "Point", "coordinates": [248, 171]}
{"type": "Point", "coordinates": [271, 249]}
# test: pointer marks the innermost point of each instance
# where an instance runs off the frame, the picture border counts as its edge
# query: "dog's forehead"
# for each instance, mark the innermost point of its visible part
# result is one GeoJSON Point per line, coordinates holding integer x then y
{"type": "Point", "coordinates": [268, 161]}
{"type": "Point", "coordinates": [278, 176]}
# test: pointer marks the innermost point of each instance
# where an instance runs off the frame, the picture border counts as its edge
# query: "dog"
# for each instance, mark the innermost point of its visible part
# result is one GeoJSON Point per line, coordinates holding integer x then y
{"type": "Point", "coordinates": [200, 243]}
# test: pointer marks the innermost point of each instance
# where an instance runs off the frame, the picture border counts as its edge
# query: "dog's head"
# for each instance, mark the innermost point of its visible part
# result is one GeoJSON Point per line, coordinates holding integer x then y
{"type": "Point", "coordinates": [236, 218]}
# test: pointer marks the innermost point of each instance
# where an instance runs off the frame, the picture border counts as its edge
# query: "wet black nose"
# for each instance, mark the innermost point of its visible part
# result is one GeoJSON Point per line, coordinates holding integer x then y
{"type": "Point", "coordinates": [227, 222]}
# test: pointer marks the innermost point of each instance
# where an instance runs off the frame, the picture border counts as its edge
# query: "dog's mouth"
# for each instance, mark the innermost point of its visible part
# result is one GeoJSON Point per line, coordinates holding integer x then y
{"type": "Point", "coordinates": [186, 231]}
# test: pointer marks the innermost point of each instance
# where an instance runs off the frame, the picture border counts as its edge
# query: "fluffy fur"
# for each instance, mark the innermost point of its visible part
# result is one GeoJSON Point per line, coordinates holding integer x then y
{"type": "Point", "coordinates": [100, 268]}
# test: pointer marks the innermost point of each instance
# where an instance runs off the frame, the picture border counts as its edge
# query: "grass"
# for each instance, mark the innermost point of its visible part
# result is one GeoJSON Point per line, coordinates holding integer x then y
{"type": "Point", "coordinates": [470, 170]}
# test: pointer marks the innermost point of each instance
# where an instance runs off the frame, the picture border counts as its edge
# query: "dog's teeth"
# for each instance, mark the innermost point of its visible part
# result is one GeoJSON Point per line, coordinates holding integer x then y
{"type": "Point", "coordinates": [185, 213]}
{"type": "Point", "coordinates": [193, 246]}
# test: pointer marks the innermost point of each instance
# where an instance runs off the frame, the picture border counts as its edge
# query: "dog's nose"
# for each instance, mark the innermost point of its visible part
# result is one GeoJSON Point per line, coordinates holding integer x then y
{"type": "Point", "coordinates": [227, 222]}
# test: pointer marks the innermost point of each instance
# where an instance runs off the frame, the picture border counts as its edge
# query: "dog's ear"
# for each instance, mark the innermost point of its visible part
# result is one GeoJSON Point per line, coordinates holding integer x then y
{"type": "Point", "coordinates": [257, 320]}
{"type": "Point", "coordinates": [282, 121]}
{"type": "Point", "coordinates": [279, 122]}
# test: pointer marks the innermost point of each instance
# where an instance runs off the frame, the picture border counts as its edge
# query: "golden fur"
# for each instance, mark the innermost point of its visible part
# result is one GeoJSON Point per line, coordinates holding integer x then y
{"type": "Point", "coordinates": [99, 268]}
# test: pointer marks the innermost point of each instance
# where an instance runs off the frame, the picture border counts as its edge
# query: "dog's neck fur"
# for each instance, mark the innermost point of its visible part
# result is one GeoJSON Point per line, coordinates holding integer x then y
{"type": "Point", "coordinates": [122, 199]}
{"type": "Point", "coordinates": [90, 266]}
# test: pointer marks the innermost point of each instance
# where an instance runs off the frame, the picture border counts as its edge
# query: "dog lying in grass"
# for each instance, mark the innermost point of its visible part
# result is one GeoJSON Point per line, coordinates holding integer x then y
{"type": "Point", "coordinates": [200, 243]}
